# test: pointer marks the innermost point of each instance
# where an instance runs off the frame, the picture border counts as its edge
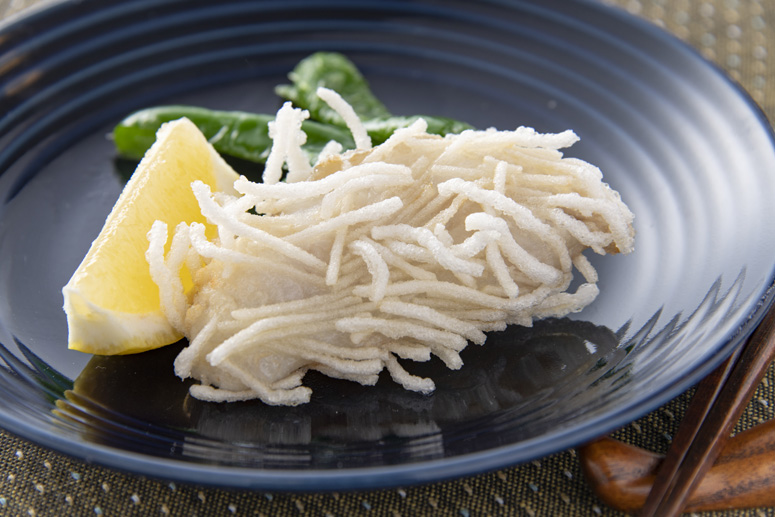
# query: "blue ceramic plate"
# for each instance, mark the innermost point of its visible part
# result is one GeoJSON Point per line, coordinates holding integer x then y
{"type": "Point", "coordinates": [688, 151]}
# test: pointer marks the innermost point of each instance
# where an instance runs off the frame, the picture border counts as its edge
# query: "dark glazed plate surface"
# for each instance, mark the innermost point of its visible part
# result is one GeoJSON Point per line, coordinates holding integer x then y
{"type": "Point", "coordinates": [690, 154]}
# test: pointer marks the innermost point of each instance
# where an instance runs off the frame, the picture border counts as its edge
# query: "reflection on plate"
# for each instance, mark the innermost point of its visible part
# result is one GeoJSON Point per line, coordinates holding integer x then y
{"type": "Point", "coordinates": [688, 151]}
{"type": "Point", "coordinates": [522, 370]}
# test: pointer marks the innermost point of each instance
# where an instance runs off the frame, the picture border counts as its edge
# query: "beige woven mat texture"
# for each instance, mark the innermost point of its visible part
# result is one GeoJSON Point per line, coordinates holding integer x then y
{"type": "Point", "coordinates": [739, 36]}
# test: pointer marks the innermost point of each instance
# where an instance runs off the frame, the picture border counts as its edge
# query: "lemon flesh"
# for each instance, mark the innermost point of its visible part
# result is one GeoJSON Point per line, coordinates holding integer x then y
{"type": "Point", "coordinates": [111, 302]}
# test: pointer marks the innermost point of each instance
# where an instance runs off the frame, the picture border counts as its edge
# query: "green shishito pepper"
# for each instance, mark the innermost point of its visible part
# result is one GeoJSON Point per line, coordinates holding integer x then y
{"type": "Point", "coordinates": [234, 133]}
{"type": "Point", "coordinates": [246, 135]}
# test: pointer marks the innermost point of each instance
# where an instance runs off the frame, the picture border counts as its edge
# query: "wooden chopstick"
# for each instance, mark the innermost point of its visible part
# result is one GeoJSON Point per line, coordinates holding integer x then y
{"type": "Point", "coordinates": [716, 407]}
{"type": "Point", "coordinates": [705, 395]}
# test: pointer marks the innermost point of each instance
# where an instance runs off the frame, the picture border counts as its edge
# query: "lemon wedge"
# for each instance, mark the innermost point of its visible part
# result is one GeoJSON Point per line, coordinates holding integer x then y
{"type": "Point", "coordinates": [111, 302]}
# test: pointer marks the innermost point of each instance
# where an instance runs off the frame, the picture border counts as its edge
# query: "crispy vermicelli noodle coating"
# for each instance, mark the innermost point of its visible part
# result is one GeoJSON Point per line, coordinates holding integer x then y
{"type": "Point", "coordinates": [412, 249]}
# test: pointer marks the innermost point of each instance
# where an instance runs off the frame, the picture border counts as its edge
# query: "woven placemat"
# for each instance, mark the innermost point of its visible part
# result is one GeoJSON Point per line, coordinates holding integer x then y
{"type": "Point", "coordinates": [737, 35]}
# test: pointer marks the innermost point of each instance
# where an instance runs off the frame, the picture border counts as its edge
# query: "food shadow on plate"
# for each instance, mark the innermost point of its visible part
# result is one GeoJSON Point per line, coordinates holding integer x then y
{"type": "Point", "coordinates": [518, 380]}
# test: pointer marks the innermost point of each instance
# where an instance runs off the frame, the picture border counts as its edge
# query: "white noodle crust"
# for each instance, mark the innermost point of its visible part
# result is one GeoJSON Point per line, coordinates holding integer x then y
{"type": "Point", "coordinates": [411, 249]}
